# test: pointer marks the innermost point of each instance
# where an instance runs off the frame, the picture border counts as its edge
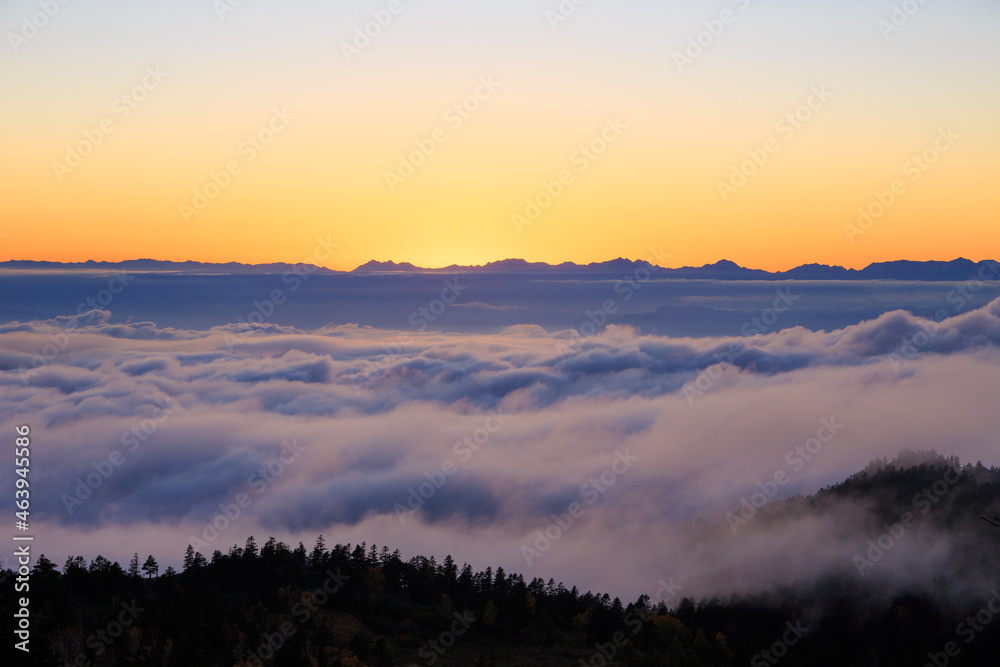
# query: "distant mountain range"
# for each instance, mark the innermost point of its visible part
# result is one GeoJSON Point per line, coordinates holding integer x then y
{"type": "Point", "coordinates": [157, 266]}
{"type": "Point", "coordinates": [954, 270]}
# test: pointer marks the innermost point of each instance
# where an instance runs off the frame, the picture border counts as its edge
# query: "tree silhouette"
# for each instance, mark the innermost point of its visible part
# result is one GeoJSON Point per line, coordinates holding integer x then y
{"type": "Point", "coordinates": [250, 550]}
{"type": "Point", "coordinates": [150, 568]}
{"type": "Point", "coordinates": [100, 564]}
{"type": "Point", "coordinates": [318, 553]}
{"type": "Point", "coordinates": [44, 569]}
{"type": "Point", "coordinates": [133, 566]}
{"type": "Point", "coordinates": [75, 564]}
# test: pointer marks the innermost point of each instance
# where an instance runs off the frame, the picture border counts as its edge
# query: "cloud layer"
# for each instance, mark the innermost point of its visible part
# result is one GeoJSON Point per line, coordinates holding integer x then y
{"type": "Point", "coordinates": [146, 431]}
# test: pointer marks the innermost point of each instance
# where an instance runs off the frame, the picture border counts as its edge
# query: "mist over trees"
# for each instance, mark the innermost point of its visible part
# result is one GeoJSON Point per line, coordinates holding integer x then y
{"type": "Point", "coordinates": [351, 605]}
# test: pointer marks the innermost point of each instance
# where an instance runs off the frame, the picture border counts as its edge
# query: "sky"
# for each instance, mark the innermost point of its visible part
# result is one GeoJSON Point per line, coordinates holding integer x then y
{"type": "Point", "coordinates": [249, 130]}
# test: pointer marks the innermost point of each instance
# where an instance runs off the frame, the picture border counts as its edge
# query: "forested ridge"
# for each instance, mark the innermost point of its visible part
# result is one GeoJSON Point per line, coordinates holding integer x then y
{"type": "Point", "coordinates": [352, 605]}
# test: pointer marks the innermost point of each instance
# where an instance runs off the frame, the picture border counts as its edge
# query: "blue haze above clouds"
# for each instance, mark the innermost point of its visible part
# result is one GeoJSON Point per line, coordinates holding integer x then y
{"type": "Point", "coordinates": [488, 303]}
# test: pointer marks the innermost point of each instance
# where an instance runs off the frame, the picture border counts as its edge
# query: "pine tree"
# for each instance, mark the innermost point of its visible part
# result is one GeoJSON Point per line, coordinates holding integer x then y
{"type": "Point", "coordinates": [449, 570]}
{"type": "Point", "coordinates": [300, 554]}
{"type": "Point", "coordinates": [250, 549]}
{"type": "Point", "coordinates": [318, 555]}
{"type": "Point", "coordinates": [188, 557]}
{"type": "Point", "coordinates": [44, 568]}
{"type": "Point", "coordinates": [465, 579]}
{"type": "Point", "coordinates": [270, 548]}
{"type": "Point", "coordinates": [500, 583]}
{"type": "Point", "coordinates": [74, 564]}
{"type": "Point", "coordinates": [358, 555]}
{"type": "Point", "coordinates": [100, 564]}
{"type": "Point", "coordinates": [150, 568]}
{"type": "Point", "coordinates": [133, 566]}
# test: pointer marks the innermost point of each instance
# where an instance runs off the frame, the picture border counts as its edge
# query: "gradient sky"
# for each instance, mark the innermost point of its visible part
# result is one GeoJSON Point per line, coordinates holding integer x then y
{"type": "Point", "coordinates": [656, 186]}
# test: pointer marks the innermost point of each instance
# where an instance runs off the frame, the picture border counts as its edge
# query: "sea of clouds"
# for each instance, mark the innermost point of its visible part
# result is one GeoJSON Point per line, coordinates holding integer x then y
{"type": "Point", "coordinates": [608, 462]}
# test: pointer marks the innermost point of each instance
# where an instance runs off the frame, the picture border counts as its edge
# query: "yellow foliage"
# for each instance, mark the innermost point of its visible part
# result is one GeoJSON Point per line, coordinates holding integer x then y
{"type": "Point", "coordinates": [346, 657]}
